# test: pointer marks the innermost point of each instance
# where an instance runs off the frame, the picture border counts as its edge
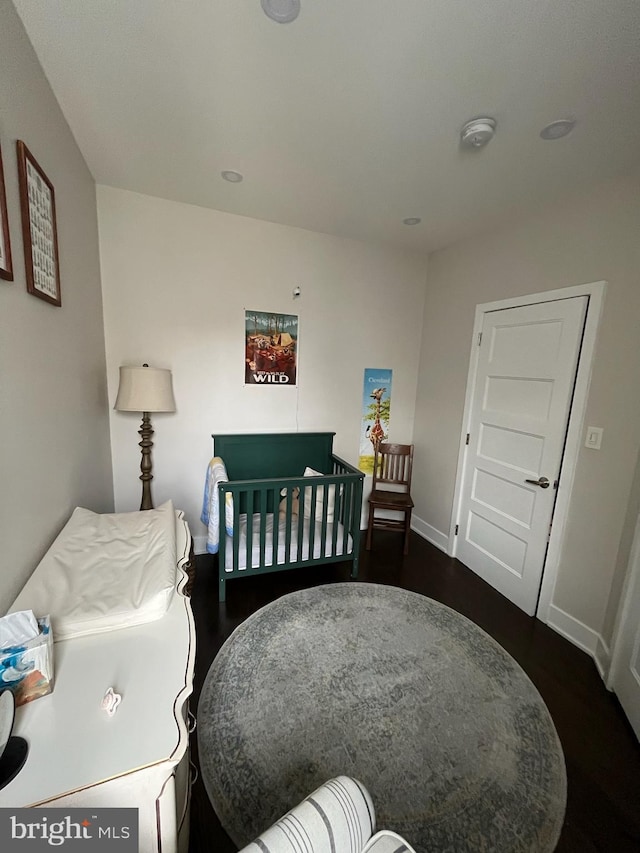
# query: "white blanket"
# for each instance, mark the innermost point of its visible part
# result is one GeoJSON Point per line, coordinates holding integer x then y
{"type": "Point", "coordinates": [105, 571]}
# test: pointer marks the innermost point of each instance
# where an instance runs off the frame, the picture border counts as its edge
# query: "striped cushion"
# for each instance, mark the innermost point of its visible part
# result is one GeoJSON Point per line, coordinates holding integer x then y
{"type": "Point", "coordinates": [337, 818]}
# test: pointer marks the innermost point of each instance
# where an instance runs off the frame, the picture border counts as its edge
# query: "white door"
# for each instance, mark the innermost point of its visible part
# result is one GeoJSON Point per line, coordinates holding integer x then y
{"type": "Point", "coordinates": [625, 667]}
{"type": "Point", "coordinates": [519, 413]}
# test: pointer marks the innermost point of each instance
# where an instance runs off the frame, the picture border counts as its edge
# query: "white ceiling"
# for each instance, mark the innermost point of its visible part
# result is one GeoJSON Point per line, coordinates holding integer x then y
{"type": "Point", "coordinates": [347, 120]}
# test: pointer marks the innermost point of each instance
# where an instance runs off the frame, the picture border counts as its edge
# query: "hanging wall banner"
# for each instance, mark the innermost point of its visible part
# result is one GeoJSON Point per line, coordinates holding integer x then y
{"type": "Point", "coordinates": [376, 411]}
{"type": "Point", "coordinates": [271, 346]}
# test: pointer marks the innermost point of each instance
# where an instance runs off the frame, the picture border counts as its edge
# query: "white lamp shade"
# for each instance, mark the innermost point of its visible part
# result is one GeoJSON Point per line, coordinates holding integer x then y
{"type": "Point", "coordinates": [145, 389]}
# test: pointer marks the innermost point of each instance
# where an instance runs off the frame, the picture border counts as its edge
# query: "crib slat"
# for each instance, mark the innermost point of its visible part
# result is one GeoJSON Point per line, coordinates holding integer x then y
{"type": "Point", "coordinates": [261, 511]}
{"type": "Point", "coordinates": [288, 528]}
{"type": "Point", "coordinates": [248, 554]}
{"type": "Point", "coordinates": [275, 538]}
{"type": "Point", "coordinates": [299, 521]}
{"type": "Point", "coordinates": [236, 528]}
{"type": "Point", "coordinates": [345, 515]}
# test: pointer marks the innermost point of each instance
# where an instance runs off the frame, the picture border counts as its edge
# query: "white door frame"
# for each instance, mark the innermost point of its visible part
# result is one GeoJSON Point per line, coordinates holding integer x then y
{"type": "Point", "coordinates": [595, 291]}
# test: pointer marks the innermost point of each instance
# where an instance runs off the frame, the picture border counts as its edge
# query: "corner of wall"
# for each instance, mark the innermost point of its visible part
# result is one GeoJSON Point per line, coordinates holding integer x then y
{"type": "Point", "coordinates": [582, 636]}
{"type": "Point", "coordinates": [430, 533]}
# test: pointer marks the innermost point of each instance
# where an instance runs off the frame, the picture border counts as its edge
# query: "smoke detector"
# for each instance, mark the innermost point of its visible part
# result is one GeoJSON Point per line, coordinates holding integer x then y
{"type": "Point", "coordinates": [477, 132]}
{"type": "Point", "coordinates": [281, 11]}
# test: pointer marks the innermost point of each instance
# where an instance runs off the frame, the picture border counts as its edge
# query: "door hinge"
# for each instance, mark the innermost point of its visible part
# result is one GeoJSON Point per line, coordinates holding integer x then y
{"type": "Point", "coordinates": [479, 338]}
{"type": "Point", "coordinates": [455, 532]}
{"type": "Point", "coordinates": [468, 437]}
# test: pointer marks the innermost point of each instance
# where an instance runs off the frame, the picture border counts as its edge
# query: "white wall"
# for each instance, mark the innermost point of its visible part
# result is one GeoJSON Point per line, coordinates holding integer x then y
{"type": "Point", "coordinates": [54, 429]}
{"type": "Point", "coordinates": [176, 282]}
{"type": "Point", "coordinates": [592, 238]}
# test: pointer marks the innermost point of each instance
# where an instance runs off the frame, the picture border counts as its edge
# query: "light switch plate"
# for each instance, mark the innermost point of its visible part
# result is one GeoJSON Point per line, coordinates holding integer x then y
{"type": "Point", "coordinates": [594, 438]}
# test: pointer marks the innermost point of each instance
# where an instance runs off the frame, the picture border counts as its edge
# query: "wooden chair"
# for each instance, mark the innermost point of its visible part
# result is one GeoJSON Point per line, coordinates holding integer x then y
{"type": "Point", "coordinates": [392, 466]}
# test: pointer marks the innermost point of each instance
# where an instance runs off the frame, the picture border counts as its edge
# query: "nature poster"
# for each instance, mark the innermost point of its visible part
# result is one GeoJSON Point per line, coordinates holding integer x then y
{"type": "Point", "coordinates": [271, 348]}
{"type": "Point", "coordinates": [376, 411]}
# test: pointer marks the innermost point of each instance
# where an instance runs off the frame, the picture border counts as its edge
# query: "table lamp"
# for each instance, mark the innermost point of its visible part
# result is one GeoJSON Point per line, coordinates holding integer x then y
{"type": "Point", "coordinates": [145, 389]}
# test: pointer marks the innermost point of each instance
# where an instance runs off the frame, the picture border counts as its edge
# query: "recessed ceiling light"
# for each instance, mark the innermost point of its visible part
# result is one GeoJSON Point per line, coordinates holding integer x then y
{"type": "Point", "coordinates": [281, 11]}
{"type": "Point", "coordinates": [232, 177]}
{"type": "Point", "coordinates": [558, 129]}
{"type": "Point", "coordinates": [412, 220]}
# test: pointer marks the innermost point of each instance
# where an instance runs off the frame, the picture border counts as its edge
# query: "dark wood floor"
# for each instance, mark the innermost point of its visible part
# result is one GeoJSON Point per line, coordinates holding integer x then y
{"type": "Point", "coordinates": [601, 751]}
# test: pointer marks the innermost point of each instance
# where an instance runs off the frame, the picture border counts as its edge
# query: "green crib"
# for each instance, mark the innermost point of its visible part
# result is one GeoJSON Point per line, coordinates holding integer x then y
{"type": "Point", "coordinates": [282, 519]}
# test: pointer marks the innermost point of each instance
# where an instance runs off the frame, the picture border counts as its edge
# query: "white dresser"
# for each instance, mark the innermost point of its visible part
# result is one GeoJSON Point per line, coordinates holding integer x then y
{"type": "Point", "coordinates": [79, 756]}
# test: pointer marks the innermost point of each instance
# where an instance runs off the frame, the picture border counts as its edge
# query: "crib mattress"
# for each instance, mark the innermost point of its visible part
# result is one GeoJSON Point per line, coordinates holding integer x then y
{"type": "Point", "coordinates": [105, 571]}
{"type": "Point", "coordinates": [281, 558]}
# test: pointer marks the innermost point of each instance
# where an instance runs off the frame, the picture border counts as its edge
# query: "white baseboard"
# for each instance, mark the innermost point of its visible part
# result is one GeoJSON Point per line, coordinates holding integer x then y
{"type": "Point", "coordinates": [577, 632]}
{"type": "Point", "coordinates": [199, 544]}
{"type": "Point", "coordinates": [602, 658]}
{"type": "Point", "coordinates": [431, 534]}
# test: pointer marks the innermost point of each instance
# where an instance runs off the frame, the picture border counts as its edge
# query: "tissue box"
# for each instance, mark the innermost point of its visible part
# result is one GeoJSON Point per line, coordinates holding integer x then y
{"type": "Point", "coordinates": [27, 669]}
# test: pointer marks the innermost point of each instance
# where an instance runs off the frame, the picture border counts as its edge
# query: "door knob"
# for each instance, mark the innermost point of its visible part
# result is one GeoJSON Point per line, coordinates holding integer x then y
{"type": "Point", "coordinates": [541, 481]}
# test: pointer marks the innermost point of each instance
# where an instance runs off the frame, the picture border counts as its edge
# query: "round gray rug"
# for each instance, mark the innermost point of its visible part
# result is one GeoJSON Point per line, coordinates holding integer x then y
{"type": "Point", "coordinates": [451, 738]}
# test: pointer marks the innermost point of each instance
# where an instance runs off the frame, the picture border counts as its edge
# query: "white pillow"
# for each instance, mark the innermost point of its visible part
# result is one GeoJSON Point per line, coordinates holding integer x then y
{"type": "Point", "coordinates": [308, 497]}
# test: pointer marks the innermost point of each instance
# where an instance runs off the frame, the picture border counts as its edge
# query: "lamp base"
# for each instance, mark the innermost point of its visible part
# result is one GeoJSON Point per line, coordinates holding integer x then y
{"type": "Point", "coordinates": [145, 432]}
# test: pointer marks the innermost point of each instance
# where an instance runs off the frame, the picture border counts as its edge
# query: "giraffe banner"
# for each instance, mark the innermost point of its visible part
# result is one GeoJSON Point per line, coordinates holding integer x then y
{"type": "Point", "coordinates": [376, 411]}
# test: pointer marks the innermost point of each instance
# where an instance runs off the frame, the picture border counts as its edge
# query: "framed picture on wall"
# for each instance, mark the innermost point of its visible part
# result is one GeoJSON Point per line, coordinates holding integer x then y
{"type": "Point", "coordinates": [39, 232]}
{"type": "Point", "coordinates": [271, 348]}
{"type": "Point", "coordinates": [6, 267]}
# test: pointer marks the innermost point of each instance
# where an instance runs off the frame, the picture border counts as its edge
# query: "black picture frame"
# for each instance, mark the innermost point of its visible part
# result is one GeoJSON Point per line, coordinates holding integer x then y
{"type": "Point", "coordinates": [6, 264]}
